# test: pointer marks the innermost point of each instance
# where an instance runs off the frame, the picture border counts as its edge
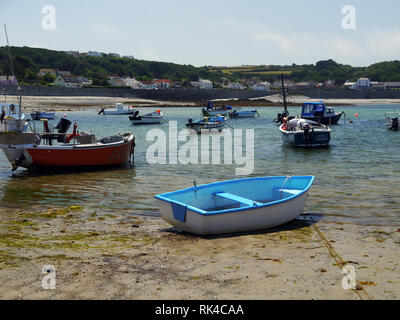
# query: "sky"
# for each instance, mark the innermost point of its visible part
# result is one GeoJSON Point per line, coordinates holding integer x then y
{"type": "Point", "coordinates": [215, 32]}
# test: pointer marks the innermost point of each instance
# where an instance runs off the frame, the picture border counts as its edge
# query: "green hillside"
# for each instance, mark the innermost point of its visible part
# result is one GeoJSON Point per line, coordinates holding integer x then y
{"type": "Point", "coordinates": [27, 62]}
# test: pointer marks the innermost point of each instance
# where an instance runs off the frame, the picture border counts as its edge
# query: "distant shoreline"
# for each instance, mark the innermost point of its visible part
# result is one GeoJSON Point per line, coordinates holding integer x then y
{"type": "Point", "coordinates": [69, 103]}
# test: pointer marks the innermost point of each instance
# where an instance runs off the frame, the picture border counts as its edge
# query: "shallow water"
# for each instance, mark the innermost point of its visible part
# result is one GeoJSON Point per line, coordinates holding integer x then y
{"type": "Point", "coordinates": [357, 178]}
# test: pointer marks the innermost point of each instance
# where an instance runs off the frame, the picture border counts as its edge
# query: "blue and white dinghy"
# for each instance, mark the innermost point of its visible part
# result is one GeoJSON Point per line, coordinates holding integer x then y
{"type": "Point", "coordinates": [236, 205]}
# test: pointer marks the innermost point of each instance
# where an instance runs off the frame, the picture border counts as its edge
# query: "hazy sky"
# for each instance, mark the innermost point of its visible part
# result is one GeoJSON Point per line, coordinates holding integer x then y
{"type": "Point", "coordinates": [216, 32]}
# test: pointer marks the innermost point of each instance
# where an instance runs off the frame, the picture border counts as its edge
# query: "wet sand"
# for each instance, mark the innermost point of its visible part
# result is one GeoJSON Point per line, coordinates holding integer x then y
{"type": "Point", "coordinates": [117, 257]}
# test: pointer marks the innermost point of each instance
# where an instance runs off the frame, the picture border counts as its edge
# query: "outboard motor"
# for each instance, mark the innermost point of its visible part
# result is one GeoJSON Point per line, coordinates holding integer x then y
{"type": "Point", "coordinates": [395, 123]}
{"type": "Point", "coordinates": [306, 128]}
{"type": "Point", "coordinates": [62, 127]}
{"type": "Point", "coordinates": [190, 120]}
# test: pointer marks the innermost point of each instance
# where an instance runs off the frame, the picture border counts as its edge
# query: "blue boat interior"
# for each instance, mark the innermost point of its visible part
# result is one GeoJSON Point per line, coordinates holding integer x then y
{"type": "Point", "coordinates": [235, 195]}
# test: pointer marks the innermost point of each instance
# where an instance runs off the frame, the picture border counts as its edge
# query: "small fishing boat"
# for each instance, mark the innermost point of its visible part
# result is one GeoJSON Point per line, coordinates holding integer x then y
{"type": "Point", "coordinates": [210, 110]}
{"type": "Point", "coordinates": [243, 114]}
{"type": "Point", "coordinates": [305, 133]}
{"type": "Point", "coordinates": [79, 149]}
{"type": "Point", "coordinates": [149, 118]}
{"type": "Point", "coordinates": [236, 205]}
{"type": "Point", "coordinates": [207, 124]}
{"type": "Point", "coordinates": [37, 115]}
{"type": "Point", "coordinates": [119, 109]}
{"type": "Point", "coordinates": [319, 112]}
{"type": "Point", "coordinates": [392, 119]}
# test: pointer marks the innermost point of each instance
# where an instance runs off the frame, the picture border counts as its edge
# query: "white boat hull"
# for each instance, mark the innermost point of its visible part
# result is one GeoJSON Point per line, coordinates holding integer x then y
{"type": "Point", "coordinates": [119, 112]}
{"type": "Point", "coordinates": [255, 219]}
{"type": "Point", "coordinates": [148, 120]}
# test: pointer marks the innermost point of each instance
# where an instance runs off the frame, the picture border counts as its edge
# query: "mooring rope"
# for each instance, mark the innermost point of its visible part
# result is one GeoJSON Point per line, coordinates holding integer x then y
{"type": "Point", "coordinates": [341, 263]}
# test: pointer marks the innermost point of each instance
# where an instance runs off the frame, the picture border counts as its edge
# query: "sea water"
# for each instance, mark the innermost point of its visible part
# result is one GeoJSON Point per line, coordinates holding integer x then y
{"type": "Point", "coordinates": [357, 179]}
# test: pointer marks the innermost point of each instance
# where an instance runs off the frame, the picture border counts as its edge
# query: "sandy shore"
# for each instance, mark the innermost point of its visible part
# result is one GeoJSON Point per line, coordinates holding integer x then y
{"type": "Point", "coordinates": [62, 103]}
{"type": "Point", "coordinates": [117, 257]}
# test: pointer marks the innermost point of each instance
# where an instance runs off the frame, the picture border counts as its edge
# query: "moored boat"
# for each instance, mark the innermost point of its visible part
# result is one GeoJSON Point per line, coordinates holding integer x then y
{"type": "Point", "coordinates": [37, 115]}
{"type": "Point", "coordinates": [392, 120]}
{"type": "Point", "coordinates": [319, 112]}
{"type": "Point", "coordinates": [236, 205]}
{"type": "Point", "coordinates": [119, 109]}
{"type": "Point", "coordinates": [149, 118]}
{"type": "Point", "coordinates": [207, 124]}
{"type": "Point", "coordinates": [305, 133]}
{"type": "Point", "coordinates": [60, 149]}
{"type": "Point", "coordinates": [243, 114]}
{"type": "Point", "coordinates": [210, 110]}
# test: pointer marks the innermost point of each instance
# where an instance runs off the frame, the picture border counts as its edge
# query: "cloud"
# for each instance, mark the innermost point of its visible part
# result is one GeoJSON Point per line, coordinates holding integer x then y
{"type": "Point", "coordinates": [384, 43]}
{"type": "Point", "coordinates": [361, 48]}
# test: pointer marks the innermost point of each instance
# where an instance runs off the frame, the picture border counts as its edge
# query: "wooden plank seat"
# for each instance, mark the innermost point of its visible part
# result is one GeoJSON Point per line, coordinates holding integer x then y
{"type": "Point", "coordinates": [245, 201]}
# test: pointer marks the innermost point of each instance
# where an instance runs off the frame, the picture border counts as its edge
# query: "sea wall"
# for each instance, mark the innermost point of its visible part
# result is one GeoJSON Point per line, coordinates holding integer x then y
{"type": "Point", "coordinates": [348, 94]}
{"type": "Point", "coordinates": [163, 94]}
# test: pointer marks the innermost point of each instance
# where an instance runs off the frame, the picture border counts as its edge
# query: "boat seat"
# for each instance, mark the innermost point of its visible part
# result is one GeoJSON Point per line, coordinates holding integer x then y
{"type": "Point", "coordinates": [245, 201]}
{"type": "Point", "coordinates": [291, 191]}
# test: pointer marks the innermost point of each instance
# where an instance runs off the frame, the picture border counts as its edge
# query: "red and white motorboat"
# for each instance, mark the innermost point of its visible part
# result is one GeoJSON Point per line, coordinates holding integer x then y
{"type": "Point", "coordinates": [74, 150]}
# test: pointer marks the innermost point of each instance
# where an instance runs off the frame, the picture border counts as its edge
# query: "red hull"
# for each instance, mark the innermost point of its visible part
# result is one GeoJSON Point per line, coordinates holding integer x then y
{"type": "Point", "coordinates": [98, 155]}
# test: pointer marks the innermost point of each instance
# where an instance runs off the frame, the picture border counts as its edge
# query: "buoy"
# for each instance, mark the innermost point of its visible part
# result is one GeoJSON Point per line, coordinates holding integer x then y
{"type": "Point", "coordinates": [356, 114]}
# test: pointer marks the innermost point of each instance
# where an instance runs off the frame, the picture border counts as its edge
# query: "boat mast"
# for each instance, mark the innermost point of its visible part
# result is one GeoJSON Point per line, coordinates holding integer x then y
{"type": "Point", "coordinates": [19, 89]}
{"type": "Point", "coordinates": [285, 113]}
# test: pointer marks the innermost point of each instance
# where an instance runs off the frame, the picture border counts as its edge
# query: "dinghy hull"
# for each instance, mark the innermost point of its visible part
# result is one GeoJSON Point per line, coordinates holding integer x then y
{"type": "Point", "coordinates": [252, 213]}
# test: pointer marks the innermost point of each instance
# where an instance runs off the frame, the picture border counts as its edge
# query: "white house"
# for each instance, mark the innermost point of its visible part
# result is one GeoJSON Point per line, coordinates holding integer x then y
{"type": "Point", "coordinates": [233, 85]}
{"type": "Point", "coordinates": [68, 82]}
{"type": "Point", "coordinates": [264, 86]}
{"type": "Point", "coordinates": [363, 83]}
{"type": "Point", "coordinates": [8, 80]}
{"type": "Point", "coordinates": [133, 83]}
{"type": "Point", "coordinates": [205, 84]}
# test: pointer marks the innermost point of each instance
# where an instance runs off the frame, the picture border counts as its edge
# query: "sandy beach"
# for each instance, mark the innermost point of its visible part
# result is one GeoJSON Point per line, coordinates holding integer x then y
{"type": "Point", "coordinates": [108, 257]}
{"type": "Point", "coordinates": [71, 103]}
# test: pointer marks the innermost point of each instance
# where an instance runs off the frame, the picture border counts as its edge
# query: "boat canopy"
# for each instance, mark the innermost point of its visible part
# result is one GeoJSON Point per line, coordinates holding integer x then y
{"type": "Point", "coordinates": [313, 109]}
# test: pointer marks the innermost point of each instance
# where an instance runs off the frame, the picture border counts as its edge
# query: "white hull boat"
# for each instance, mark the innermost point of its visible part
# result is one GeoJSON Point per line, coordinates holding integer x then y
{"type": "Point", "coordinates": [120, 109]}
{"type": "Point", "coordinates": [155, 117]}
{"type": "Point", "coordinates": [305, 133]}
{"type": "Point", "coordinates": [237, 205]}
{"type": "Point", "coordinates": [243, 114]}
